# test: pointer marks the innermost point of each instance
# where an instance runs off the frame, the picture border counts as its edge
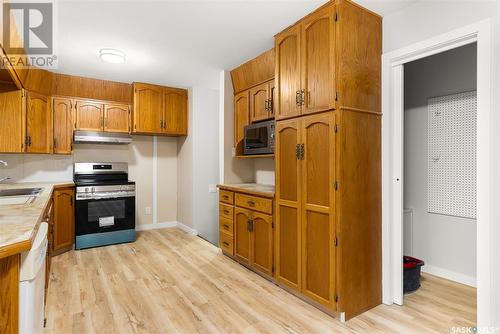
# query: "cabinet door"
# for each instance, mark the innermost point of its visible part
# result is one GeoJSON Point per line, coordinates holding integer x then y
{"type": "Point", "coordinates": [241, 119]}
{"type": "Point", "coordinates": [288, 191]}
{"type": "Point", "coordinates": [11, 122]}
{"type": "Point", "coordinates": [116, 118]}
{"type": "Point", "coordinates": [175, 121]}
{"type": "Point", "coordinates": [62, 114]}
{"type": "Point", "coordinates": [259, 97]}
{"type": "Point", "coordinates": [287, 76]}
{"type": "Point", "coordinates": [318, 160]}
{"type": "Point", "coordinates": [38, 123]}
{"type": "Point", "coordinates": [148, 108]}
{"type": "Point", "coordinates": [318, 61]}
{"type": "Point", "coordinates": [89, 116]}
{"type": "Point", "coordinates": [64, 232]}
{"type": "Point", "coordinates": [242, 219]}
{"type": "Point", "coordinates": [262, 243]}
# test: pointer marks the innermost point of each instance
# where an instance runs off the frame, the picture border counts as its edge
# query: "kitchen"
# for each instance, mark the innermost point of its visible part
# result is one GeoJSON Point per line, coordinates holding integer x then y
{"type": "Point", "coordinates": [210, 192]}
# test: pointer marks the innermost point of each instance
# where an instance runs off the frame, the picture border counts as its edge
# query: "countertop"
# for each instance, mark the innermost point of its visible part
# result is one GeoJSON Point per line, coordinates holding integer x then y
{"type": "Point", "coordinates": [250, 188]}
{"type": "Point", "coordinates": [19, 223]}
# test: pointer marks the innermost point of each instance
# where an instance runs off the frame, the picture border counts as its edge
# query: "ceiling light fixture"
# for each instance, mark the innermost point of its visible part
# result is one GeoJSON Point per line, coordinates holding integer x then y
{"type": "Point", "coordinates": [112, 56]}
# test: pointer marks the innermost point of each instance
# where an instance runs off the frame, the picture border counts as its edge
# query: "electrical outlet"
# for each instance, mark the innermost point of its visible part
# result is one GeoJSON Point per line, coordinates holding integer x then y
{"type": "Point", "coordinates": [147, 210]}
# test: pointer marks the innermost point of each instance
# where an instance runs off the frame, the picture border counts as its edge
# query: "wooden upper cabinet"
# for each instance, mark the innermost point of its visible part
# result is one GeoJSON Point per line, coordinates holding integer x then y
{"type": "Point", "coordinates": [287, 76]}
{"type": "Point", "coordinates": [317, 202]}
{"type": "Point", "coordinates": [288, 205]}
{"type": "Point", "coordinates": [38, 123]}
{"type": "Point", "coordinates": [317, 61]}
{"type": "Point", "coordinates": [148, 108]}
{"type": "Point", "coordinates": [116, 118]}
{"type": "Point", "coordinates": [241, 119]}
{"type": "Point", "coordinates": [12, 121]}
{"type": "Point", "coordinates": [89, 116]}
{"type": "Point", "coordinates": [62, 113]}
{"type": "Point", "coordinates": [175, 120]}
{"type": "Point", "coordinates": [242, 246]}
{"type": "Point", "coordinates": [64, 233]}
{"type": "Point", "coordinates": [259, 100]}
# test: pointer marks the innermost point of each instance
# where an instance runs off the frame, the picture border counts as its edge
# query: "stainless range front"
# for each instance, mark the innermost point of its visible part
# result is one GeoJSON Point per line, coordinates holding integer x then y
{"type": "Point", "coordinates": [105, 204]}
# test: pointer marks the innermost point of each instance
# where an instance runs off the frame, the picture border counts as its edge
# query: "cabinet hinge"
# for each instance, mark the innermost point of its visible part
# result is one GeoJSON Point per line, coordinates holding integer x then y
{"type": "Point", "coordinates": [336, 297]}
{"type": "Point", "coordinates": [336, 185]}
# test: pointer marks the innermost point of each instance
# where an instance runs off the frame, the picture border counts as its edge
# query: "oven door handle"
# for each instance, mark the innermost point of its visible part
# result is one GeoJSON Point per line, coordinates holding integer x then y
{"type": "Point", "coordinates": [85, 196]}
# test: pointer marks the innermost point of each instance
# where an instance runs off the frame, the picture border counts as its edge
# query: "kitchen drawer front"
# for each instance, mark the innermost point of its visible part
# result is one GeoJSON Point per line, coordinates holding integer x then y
{"type": "Point", "coordinates": [226, 196]}
{"type": "Point", "coordinates": [226, 243]}
{"type": "Point", "coordinates": [226, 211]}
{"type": "Point", "coordinates": [254, 203]}
{"type": "Point", "coordinates": [226, 225]}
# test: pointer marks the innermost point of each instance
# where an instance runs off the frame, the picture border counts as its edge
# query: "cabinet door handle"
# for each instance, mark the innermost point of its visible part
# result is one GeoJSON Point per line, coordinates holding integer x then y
{"type": "Point", "coordinates": [250, 225]}
{"type": "Point", "coordinates": [302, 96]}
{"type": "Point", "coordinates": [297, 98]}
{"type": "Point", "coordinates": [302, 151]}
{"type": "Point", "coordinates": [297, 151]}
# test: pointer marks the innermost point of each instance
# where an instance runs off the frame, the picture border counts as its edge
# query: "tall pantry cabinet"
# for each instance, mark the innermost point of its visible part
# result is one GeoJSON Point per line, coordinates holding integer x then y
{"type": "Point", "coordinates": [328, 169]}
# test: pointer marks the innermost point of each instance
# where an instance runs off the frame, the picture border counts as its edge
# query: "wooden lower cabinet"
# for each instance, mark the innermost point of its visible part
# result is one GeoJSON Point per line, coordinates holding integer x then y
{"type": "Point", "coordinates": [63, 229]}
{"type": "Point", "coordinates": [252, 229]}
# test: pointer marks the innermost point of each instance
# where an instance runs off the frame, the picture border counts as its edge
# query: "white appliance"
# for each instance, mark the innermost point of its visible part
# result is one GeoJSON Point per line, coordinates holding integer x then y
{"type": "Point", "coordinates": [32, 285]}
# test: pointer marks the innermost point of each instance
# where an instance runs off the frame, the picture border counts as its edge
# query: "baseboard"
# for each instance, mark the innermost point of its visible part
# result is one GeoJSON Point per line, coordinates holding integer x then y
{"type": "Point", "coordinates": [169, 224]}
{"type": "Point", "coordinates": [449, 275]}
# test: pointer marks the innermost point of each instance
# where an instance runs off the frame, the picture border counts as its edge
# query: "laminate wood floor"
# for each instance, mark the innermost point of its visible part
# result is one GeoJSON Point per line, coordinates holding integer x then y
{"type": "Point", "coordinates": [171, 282]}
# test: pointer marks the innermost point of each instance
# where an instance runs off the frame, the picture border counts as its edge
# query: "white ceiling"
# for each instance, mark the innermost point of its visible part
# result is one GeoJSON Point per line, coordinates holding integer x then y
{"type": "Point", "coordinates": [175, 42]}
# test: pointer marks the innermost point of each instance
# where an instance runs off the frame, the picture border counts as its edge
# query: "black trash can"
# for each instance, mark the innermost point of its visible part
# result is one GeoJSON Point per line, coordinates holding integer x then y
{"type": "Point", "coordinates": [411, 273]}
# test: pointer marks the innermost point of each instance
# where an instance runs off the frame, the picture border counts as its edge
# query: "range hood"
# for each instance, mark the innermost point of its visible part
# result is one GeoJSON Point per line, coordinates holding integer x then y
{"type": "Point", "coordinates": [93, 137]}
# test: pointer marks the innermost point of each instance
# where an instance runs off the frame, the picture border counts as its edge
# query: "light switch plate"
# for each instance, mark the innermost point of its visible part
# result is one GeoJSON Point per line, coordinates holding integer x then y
{"type": "Point", "coordinates": [147, 210]}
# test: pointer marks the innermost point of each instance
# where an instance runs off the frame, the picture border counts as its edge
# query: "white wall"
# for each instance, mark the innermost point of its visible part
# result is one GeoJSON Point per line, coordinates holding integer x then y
{"type": "Point", "coordinates": [425, 19]}
{"type": "Point", "coordinates": [447, 244]}
{"type": "Point", "coordinates": [198, 165]}
{"type": "Point", "coordinates": [139, 155]}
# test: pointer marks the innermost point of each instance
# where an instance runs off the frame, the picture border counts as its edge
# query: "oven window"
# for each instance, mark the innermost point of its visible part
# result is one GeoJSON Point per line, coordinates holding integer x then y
{"type": "Point", "coordinates": [98, 209]}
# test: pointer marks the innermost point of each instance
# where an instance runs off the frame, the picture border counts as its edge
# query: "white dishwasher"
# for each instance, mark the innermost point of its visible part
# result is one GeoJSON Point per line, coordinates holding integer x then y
{"type": "Point", "coordinates": [32, 285]}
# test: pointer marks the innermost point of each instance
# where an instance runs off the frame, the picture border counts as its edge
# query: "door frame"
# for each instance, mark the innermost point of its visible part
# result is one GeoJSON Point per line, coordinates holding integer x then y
{"type": "Point", "coordinates": [392, 158]}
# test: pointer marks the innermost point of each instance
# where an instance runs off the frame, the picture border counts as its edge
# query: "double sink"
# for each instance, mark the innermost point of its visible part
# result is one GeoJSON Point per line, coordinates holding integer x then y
{"type": "Point", "coordinates": [18, 196]}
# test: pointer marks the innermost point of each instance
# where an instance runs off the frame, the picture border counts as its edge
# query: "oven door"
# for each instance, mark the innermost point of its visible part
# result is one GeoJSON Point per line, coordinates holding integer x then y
{"type": "Point", "coordinates": [104, 215]}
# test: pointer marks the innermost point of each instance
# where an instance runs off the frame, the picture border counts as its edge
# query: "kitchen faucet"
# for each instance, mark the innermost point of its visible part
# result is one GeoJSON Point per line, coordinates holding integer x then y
{"type": "Point", "coordinates": [6, 165]}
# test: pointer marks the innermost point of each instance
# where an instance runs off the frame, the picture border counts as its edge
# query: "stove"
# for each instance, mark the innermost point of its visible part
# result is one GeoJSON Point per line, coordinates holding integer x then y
{"type": "Point", "coordinates": [105, 204]}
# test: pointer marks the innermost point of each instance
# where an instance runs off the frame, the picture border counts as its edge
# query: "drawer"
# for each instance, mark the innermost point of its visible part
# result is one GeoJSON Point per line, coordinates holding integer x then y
{"type": "Point", "coordinates": [226, 211]}
{"type": "Point", "coordinates": [226, 225]}
{"type": "Point", "coordinates": [226, 196]}
{"type": "Point", "coordinates": [226, 243]}
{"type": "Point", "coordinates": [254, 203]}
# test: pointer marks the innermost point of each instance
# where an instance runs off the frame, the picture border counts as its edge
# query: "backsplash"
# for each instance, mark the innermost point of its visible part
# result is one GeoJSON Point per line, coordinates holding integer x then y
{"type": "Point", "coordinates": [264, 171]}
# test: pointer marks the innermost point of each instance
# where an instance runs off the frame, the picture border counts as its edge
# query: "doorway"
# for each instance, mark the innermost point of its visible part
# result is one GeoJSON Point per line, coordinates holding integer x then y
{"type": "Point", "coordinates": [393, 158]}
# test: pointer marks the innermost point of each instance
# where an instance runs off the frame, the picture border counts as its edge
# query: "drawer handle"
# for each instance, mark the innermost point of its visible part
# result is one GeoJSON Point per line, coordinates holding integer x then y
{"type": "Point", "coordinates": [225, 243]}
{"type": "Point", "coordinates": [251, 203]}
{"type": "Point", "coordinates": [226, 227]}
{"type": "Point", "coordinates": [226, 211]}
{"type": "Point", "coordinates": [225, 197]}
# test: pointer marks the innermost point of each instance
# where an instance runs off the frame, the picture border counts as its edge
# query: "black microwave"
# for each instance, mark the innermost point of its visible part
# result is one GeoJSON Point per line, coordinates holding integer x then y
{"type": "Point", "coordinates": [259, 138]}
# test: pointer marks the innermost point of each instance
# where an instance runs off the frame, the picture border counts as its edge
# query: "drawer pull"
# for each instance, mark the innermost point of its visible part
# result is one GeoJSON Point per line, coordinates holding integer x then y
{"type": "Point", "coordinates": [226, 226]}
{"type": "Point", "coordinates": [251, 203]}
{"type": "Point", "coordinates": [225, 243]}
{"type": "Point", "coordinates": [225, 197]}
{"type": "Point", "coordinates": [226, 211]}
